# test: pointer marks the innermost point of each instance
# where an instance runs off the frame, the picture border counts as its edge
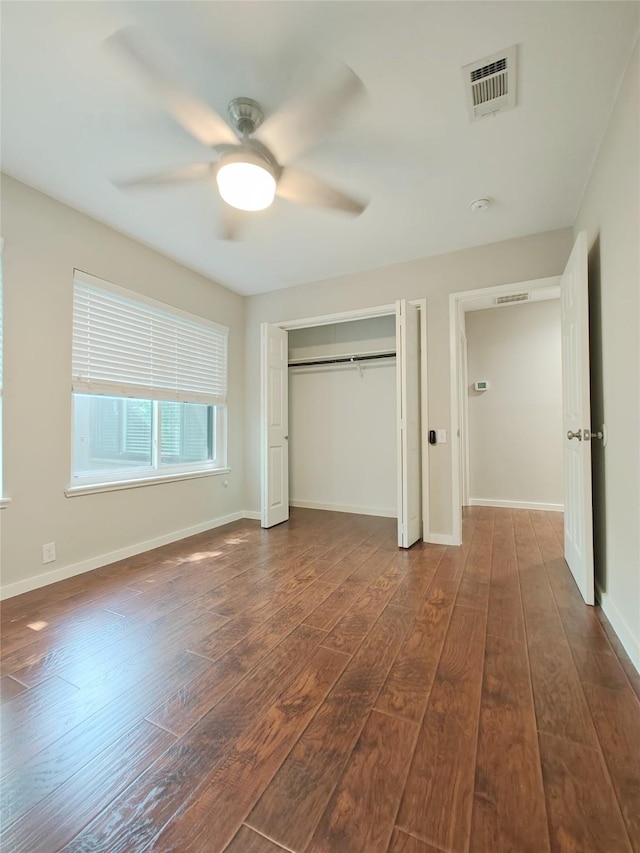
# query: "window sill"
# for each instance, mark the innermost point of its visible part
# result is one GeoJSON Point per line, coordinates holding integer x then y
{"type": "Point", "coordinates": [4, 502]}
{"type": "Point", "coordinates": [96, 488]}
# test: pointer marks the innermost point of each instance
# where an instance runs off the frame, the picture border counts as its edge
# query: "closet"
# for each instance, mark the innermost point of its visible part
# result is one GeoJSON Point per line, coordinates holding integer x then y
{"type": "Point", "coordinates": [340, 416]}
{"type": "Point", "coordinates": [342, 423]}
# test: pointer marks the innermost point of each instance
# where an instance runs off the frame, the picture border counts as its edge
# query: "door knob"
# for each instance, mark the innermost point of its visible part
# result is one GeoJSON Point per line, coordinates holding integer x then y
{"type": "Point", "coordinates": [587, 434]}
{"type": "Point", "coordinates": [577, 434]}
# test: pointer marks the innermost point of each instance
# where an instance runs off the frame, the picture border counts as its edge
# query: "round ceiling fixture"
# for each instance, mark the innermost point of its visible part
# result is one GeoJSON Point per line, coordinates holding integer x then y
{"type": "Point", "coordinates": [480, 204]}
{"type": "Point", "coordinates": [246, 180]}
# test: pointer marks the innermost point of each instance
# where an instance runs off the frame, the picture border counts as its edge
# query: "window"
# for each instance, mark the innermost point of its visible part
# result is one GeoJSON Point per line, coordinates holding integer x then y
{"type": "Point", "coordinates": [149, 388]}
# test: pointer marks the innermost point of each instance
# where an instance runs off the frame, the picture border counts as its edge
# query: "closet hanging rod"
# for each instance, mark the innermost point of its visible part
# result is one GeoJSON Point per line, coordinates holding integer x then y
{"type": "Point", "coordinates": [345, 359]}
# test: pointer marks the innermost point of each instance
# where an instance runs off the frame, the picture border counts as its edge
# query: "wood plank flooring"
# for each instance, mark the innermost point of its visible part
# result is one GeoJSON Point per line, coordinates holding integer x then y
{"type": "Point", "coordinates": [313, 688]}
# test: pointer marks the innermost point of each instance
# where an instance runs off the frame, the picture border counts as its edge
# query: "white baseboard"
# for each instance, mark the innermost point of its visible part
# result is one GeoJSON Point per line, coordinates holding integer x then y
{"type": "Point", "coordinates": [431, 538]}
{"type": "Point", "coordinates": [623, 632]}
{"type": "Point", "coordinates": [74, 569]}
{"type": "Point", "coordinates": [516, 504]}
{"type": "Point", "coordinates": [252, 514]}
{"type": "Point", "coordinates": [439, 539]}
{"type": "Point", "coordinates": [356, 510]}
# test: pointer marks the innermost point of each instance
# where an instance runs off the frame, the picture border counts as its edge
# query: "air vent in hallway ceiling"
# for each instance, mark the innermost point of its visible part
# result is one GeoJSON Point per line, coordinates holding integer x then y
{"type": "Point", "coordinates": [490, 84]}
{"type": "Point", "coordinates": [514, 297]}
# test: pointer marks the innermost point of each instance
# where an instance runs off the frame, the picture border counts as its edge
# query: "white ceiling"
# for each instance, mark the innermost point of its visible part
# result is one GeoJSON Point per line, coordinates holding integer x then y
{"type": "Point", "coordinates": [71, 119]}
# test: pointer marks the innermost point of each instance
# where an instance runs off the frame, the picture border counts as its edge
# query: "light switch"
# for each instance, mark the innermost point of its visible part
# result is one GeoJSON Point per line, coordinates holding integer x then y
{"type": "Point", "coordinates": [442, 436]}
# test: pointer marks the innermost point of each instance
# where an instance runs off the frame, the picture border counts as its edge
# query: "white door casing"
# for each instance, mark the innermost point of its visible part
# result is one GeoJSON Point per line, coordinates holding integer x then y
{"type": "Point", "coordinates": [275, 425]}
{"type": "Point", "coordinates": [463, 430]}
{"type": "Point", "coordinates": [408, 423]}
{"type": "Point", "coordinates": [578, 519]}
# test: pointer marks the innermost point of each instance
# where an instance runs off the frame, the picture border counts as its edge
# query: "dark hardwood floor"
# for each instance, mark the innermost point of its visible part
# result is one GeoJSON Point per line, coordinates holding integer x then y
{"type": "Point", "coordinates": [312, 688]}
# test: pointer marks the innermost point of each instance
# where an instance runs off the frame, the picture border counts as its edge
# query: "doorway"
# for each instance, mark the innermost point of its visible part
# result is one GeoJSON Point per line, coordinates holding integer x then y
{"type": "Point", "coordinates": [462, 304]}
{"type": "Point", "coordinates": [342, 399]}
{"type": "Point", "coordinates": [324, 355]}
{"type": "Point", "coordinates": [576, 431]}
{"type": "Point", "coordinates": [511, 394]}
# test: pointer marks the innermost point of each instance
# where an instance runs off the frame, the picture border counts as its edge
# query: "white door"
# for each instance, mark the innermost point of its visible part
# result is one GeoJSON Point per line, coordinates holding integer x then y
{"type": "Point", "coordinates": [578, 520]}
{"type": "Point", "coordinates": [408, 417]}
{"type": "Point", "coordinates": [274, 425]}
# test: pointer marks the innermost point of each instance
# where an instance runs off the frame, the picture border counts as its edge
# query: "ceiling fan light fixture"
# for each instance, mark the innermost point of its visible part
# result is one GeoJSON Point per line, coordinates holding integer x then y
{"type": "Point", "coordinates": [246, 181]}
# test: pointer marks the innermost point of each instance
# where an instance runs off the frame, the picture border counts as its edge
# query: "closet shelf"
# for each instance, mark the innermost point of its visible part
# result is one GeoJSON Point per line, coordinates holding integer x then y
{"type": "Point", "coordinates": [342, 359]}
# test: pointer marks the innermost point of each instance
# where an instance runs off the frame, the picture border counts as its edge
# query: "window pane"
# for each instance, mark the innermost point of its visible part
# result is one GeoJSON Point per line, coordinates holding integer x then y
{"type": "Point", "coordinates": [186, 433]}
{"type": "Point", "coordinates": [111, 433]}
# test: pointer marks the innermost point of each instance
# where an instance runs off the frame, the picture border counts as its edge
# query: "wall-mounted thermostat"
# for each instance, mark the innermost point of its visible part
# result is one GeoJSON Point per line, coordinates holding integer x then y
{"type": "Point", "coordinates": [481, 385]}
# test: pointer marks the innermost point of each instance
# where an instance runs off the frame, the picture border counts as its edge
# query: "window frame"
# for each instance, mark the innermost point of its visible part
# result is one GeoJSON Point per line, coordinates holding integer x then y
{"type": "Point", "coordinates": [158, 472]}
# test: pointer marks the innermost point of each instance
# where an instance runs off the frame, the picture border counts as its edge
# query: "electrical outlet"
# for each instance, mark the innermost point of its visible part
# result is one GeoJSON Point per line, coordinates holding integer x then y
{"type": "Point", "coordinates": [442, 436]}
{"type": "Point", "coordinates": [49, 552]}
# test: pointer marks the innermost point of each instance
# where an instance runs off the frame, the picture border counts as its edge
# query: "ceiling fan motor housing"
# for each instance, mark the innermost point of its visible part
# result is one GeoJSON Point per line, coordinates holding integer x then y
{"type": "Point", "coordinates": [247, 154]}
{"type": "Point", "coordinates": [245, 115]}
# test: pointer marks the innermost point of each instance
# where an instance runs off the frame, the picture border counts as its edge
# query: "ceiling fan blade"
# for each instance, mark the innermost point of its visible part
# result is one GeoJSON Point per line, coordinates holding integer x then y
{"type": "Point", "coordinates": [232, 222]}
{"type": "Point", "coordinates": [311, 114]}
{"type": "Point", "coordinates": [304, 188]}
{"type": "Point", "coordinates": [194, 115]}
{"type": "Point", "coordinates": [194, 172]}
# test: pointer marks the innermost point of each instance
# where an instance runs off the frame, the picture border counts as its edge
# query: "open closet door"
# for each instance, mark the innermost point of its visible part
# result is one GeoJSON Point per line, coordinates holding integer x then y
{"type": "Point", "coordinates": [274, 419]}
{"type": "Point", "coordinates": [408, 423]}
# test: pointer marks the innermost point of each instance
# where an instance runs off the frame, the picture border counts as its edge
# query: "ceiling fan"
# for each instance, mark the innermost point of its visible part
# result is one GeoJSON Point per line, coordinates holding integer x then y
{"type": "Point", "coordinates": [247, 172]}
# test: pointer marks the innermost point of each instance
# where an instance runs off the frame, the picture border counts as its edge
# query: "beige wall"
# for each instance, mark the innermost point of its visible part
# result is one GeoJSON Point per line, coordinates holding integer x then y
{"type": "Point", "coordinates": [43, 242]}
{"type": "Point", "coordinates": [610, 213]}
{"type": "Point", "coordinates": [522, 259]}
{"type": "Point", "coordinates": [515, 428]}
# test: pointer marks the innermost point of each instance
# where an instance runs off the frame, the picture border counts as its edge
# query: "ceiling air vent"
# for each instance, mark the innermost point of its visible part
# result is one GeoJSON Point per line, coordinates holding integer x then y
{"type": "Point", "coordinates": [491, 84]}
{"type": "Point", "coordinates": [513, 297]}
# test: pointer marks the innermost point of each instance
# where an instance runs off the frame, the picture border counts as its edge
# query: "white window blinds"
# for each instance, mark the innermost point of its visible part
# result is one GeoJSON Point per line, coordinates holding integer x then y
{"type": "Point", "coordinates": [126, 345]}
